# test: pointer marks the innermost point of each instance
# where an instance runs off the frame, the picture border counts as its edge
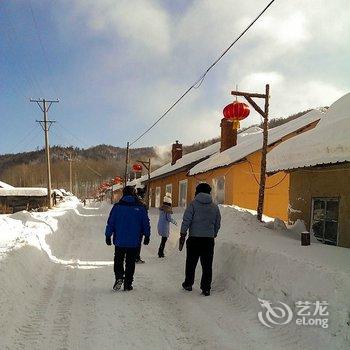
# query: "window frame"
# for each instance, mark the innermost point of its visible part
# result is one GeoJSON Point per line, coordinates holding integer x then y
{"type": "Point", "coordinates": [179, 199]}
{"type": "Point", "coordinates": [214, 187]}
{"type": "Point", "coordinates": [166, 188]}
{"type": "Point", "coordinates": [325, 199]}
{"type": "Point", "coordinates": [155, 196]}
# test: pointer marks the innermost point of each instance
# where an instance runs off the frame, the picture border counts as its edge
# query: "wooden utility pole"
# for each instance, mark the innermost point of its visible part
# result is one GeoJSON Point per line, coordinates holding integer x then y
{"type": "Point", "coordinates": [45, 105]}
{"type": "Point", "coordinates": [126, 163]}
{"type": "Point", "coordinates": [147, 165]}
{"type": "Point", "coordinates": [265, 114]}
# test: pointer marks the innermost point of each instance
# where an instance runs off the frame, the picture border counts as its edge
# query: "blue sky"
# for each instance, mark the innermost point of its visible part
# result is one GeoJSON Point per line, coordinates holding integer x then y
{"type": "Point", "coordinates": [116, 65]}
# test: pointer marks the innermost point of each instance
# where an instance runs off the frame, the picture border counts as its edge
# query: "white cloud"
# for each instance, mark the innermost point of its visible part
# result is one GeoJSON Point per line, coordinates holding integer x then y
{"type": "Point", "coordinates": [145, 57]}
{"type": "Point", "coordinates": [143, 23]}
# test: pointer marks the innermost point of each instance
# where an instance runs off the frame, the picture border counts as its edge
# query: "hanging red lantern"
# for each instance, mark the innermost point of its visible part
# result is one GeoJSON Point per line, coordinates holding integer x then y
{"type": "Point", "coordinates": [117, 180]}
{"type": "Point", "coordinates": [137, 168]}
{"type": "Point", "coordinates": [236, 111]}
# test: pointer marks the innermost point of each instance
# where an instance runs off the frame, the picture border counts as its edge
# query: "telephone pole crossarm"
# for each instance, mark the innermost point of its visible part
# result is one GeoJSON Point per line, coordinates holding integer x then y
{"type": "Point", "coordinates": [265, 114]}
{"type": "Point", "coordinates": [45, 124]}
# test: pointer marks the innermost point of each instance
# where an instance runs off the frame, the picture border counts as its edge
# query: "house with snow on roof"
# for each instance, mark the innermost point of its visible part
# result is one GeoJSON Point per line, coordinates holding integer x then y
{"type": "Point", "coordinates": [13, 199]}
{"type": "Point", "coordinates": [234, 170]}
{"type": "Point", "coordinates": [173, 177]}
{"type": "Point", "coordinates": [318, 165]}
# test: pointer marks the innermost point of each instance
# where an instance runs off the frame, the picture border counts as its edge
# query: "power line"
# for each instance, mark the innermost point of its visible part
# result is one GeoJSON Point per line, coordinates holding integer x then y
{"type": "Point", "coordinates": [46, 59]}
{"type": "Point", "coordinates": [25, 68]}
{"type": "Point", "coordinates": [199, 81]}
{"type": "Point", "coordinates": [74, 136]}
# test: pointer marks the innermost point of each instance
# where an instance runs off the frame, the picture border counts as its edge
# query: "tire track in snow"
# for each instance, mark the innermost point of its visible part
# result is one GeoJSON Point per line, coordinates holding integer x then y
{"type": "Point", "coordinates": [30, 334]}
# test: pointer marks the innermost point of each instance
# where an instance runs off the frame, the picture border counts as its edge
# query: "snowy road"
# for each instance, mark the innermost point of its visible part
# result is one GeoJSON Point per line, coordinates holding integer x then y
{"type": "Point", "coordinates": [72, 306]}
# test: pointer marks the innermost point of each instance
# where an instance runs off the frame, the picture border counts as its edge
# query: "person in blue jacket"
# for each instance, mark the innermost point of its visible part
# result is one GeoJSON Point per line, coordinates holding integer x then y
{"type": "Point", "coordinates": [164, 221]}
{"type": "Point", "coordinates": [128, 222]}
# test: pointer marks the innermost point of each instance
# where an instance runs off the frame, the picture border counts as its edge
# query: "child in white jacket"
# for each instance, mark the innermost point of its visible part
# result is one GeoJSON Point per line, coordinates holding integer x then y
{"type": "Point", "coordinates": [164, 221]}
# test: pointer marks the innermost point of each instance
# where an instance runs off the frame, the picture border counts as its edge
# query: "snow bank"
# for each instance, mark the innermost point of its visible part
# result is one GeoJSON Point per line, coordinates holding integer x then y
{"type": "Point", "coordinates": [328, 143]}
{"type": "Point", "coordinates": [5, 185]}
{"type": "Point", "coordinates": [250, 142]}
{"type": "Point", "coordinates": [24, 191]}
{"type": "Point", "coordinates": [250, 261]}
{"type": "Point", "coordinates": [273, 265]}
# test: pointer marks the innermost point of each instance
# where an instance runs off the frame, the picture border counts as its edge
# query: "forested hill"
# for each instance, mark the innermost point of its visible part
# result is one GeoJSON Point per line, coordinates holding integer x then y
{"type": "Point", "coordinates": [89, 166]}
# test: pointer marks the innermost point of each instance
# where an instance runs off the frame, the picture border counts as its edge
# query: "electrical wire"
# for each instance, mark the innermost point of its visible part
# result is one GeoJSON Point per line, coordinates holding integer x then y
{"type": "Point", "coordinates": [199, 81]}
{"type": "Point", "coordinates": [12, 36]}
{"type": "Point", "coordinates": [46, 59]}
{"type": "Point", "coordinates": [69, 132]}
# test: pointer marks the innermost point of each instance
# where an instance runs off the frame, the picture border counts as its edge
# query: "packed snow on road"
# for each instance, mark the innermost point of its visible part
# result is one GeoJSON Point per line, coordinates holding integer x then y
{"type": "Point", "coordinates": [56, 278]}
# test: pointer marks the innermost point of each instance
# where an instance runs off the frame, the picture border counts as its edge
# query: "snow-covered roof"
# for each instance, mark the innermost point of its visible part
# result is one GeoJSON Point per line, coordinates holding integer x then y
{"type": "Point", "coordinates": [5, 185]}
{"type": "Point", "coordinates": [251, 141]}
{"type": "Point", "coordinates": [187, 159]}
{"type": "Point", "coordinates": [57, 192]}
{"type": "Point", "coordinates": [23, 191]}
{"type": "Point", "coordinates": [328, 143]}
{"type": "Point", "coordinates": [138, 182]}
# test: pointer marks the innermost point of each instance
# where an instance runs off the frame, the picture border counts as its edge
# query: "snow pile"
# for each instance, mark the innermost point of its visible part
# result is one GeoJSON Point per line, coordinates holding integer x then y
{"type": "Point", "coordinates": [5, 185]}
{"type": "Point", "coordinates": [23, 191]}
{"type": "Point", "coordinates": [54, 289]}
{"type": "Point", "coordinates": [250, 142]}
{"type": "Point", "coordinates": [273, 265]}
{"type": "Point", "coordinates": [328, 143]}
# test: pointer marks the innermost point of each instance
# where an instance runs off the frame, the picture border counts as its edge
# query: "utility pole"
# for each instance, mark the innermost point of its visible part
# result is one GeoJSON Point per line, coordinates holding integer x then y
{"type": "Point", "coordinates": [126, 163]}
{"type": "Point", "coordinates": [45, 105]}
{"type": "Point", "coordinates": [147, 165]}
{"type": "Point", "coordinates": [70, 160]}
{"type": "Point", "coordinates": [265, 114]}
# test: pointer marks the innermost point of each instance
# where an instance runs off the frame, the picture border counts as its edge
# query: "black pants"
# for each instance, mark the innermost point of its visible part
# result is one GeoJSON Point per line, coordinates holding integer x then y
{"type": "Point", "coordinates": [162, 246]}
{"type": "Point", "coordinates": [199, 248]}
{"type": "Point", "coordinates": [129, 256]}
{"type": "Point", "coordinates": [138, 252]}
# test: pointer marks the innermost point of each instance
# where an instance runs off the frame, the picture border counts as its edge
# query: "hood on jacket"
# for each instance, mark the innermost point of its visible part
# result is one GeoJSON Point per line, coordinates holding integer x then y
{"type": "Point", "coordinates": [128, 199]}
{"type": "Point", "coordinates": [203, 198]}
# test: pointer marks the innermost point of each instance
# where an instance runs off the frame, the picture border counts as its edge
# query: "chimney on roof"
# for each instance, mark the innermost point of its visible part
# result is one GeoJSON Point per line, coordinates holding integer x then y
{"type": "Point", "coordinates": [228, 135]}
{"type": "Point", "coordinates": [176, 152]}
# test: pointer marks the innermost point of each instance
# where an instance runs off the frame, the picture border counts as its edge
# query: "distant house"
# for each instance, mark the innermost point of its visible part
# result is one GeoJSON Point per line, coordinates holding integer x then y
{"type": "Point", "coordinates": [318, 164]}
{"type": "Point", "coordinates": [13, 199]}
{"type": "Point", "coordinates": [173, 177]}
{"type": "Point", "coordinates": [234, 172]}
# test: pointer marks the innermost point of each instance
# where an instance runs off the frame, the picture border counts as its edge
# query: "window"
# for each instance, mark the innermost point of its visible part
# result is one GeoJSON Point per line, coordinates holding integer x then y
{"type": "Point", "coordinates": [218, 191]}
{"type": "Point", "coordinates": [324, 219]}
{"type": "Point", "coordinates": [183, 193]}
{"type": "Point", "coordinates": [150, 197]}
{"type": "Point", "coordinates": [169, 189]}
{"type": "Point", "coordinates": [157, 201]}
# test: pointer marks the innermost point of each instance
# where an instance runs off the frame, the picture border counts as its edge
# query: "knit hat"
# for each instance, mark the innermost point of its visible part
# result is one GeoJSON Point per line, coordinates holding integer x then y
{"type": "Point", "coordinates": [167, 198]}
{"type": "Point", "coordinates": [203, 188]}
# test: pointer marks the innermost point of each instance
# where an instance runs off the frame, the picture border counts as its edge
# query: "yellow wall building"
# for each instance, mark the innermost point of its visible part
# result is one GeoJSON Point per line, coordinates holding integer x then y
{"type": "Point", "coordinates": [233, 173]}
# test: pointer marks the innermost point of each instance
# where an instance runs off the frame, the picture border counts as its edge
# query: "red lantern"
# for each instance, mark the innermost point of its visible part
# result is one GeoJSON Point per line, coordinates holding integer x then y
{"type": "Point", "coordinates": [236, 111]}
{"type": "Point", "coordinates": [117, 180]}
{"type": "Point", "coordinates": [137, 168]}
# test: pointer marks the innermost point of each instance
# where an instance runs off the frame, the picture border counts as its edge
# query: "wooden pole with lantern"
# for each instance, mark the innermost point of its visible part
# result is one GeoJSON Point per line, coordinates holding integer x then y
{"type": "Point", "coordinates": [265, 114]}
{"type": "Point", "coordinates": [147, 165]}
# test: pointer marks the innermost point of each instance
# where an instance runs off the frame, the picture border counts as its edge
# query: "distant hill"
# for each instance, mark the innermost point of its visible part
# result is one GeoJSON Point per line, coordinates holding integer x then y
{"type": "Point", "coordinates": [91, 165]}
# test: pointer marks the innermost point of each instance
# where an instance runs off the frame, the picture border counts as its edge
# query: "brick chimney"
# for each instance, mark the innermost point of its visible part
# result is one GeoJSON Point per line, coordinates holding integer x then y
{"type": "Point", "coordinates": [228, 135]}
{"type": "Point", "coordinates": [176, 152]}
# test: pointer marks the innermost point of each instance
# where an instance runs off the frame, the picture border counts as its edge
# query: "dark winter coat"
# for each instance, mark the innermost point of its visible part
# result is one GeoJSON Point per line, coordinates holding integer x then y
{"type": "Point", "coordinates": [128, 221]}
{"type": "Point", "coordinates": [201, 218]}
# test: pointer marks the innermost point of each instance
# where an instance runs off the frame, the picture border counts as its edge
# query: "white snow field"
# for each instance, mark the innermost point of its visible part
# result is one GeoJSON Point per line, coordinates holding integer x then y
{"type": "Point", "coordinates": [56, 276]}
